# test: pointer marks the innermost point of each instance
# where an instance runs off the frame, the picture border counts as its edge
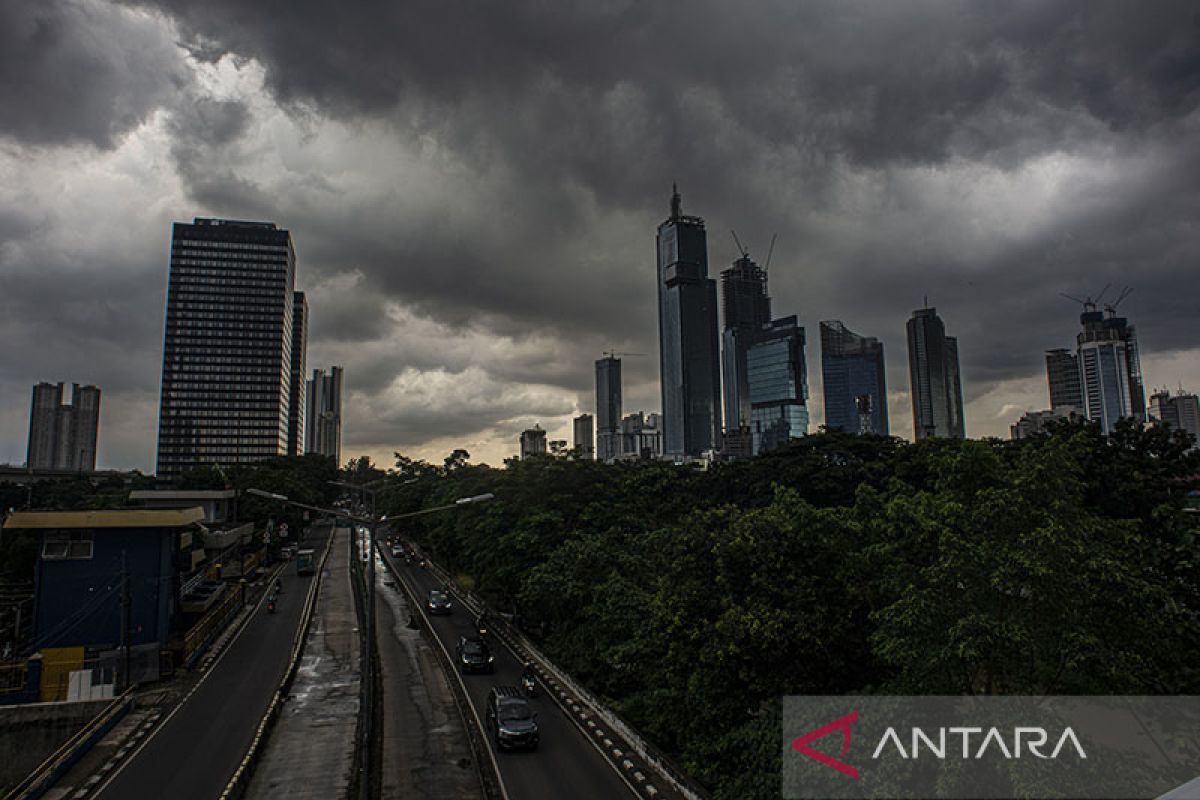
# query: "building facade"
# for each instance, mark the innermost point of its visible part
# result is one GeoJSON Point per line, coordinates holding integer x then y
{"type": "Point", "coordinates": [63, 437]}
{"type": "Point", "coordinates": [689, 358]}
{"type": "Point", "coordinates": [533, 442]}
{"type": "Point", "coordinates": [1110, 371]}
{"type": "Point", "coordinates": [608, 408]}
{"type": "Point", "coordinates": [1038, 421]}
{"type": "Point", "coordinates": [746, 309]}
{"type": "Point", "coordinates": [227, 354]}
{"type": "Point", "coordinates": [777, 377]}
{"type": "Point", "coordinates": [936, 384]}
{"type": "Point", "coordinates": [1062, 374]}
{"type": "Point", "coordinates": [324, 407]}
{"type": "Point", "coordinates": [641, 437]}
{"type": "Point", "coordinates": [852, 369]}
{"type": "Point", "coordinates": [296, 405]}
{"type": "Point", "coordinates": [1180, 411]}
{"type": "Point", "coordinates": [584, 432]}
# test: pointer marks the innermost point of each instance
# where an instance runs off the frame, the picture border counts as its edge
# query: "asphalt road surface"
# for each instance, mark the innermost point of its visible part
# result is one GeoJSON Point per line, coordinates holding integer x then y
{"type": "Point", "coordinates": [193, 754]}
{"type": "Point", "coordinates": [565, 764]}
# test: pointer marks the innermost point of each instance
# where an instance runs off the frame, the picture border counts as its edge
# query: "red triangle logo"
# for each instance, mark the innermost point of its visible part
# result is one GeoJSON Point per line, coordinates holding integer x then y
{"type": "Point", "coordinates": [800, 744]}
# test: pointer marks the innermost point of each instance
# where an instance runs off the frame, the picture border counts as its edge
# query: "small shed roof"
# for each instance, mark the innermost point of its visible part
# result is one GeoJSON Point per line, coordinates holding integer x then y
{"type": "Point", "coordinates": [125, 518]}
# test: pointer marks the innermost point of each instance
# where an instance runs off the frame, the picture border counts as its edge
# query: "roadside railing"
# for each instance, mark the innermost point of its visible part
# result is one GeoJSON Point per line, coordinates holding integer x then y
{"type": "Point", "coordinates": [43, 778]}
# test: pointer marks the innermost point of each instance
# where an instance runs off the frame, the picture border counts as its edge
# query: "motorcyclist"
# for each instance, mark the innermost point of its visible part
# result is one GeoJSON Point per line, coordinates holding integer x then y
{"type": "Point", "coordinates": [278, 585]}
{"type": "Point", "coordinates": [481, 623]}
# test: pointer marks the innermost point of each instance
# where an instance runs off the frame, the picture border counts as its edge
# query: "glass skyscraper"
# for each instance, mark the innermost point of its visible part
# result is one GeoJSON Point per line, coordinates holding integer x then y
{"type": "Point", "coordinates": [1062, 374]}
{"type": "Point", "coordinates": [62, 436]}
{"type": "Point", "coordinates": [777, 379]}
{"type": "Point", "coordinates": [746, 309]}
{"type": "Point", "coordinates": [689, 357]}
{"type": "Point", "coordinates": [608, 409]}
{"type": "Point", "coordinates": [296, 406]}
{"type": "Point", "coordinates": [936, 384]}
{"type": "Point", "coordinates": [228, 348]}
{"type": "Point", "coordinates": [324, 407]}
{"type": "Point", "coordinates": [851, 369]}
{"type": "Point", "coordinates": [1110, 370]}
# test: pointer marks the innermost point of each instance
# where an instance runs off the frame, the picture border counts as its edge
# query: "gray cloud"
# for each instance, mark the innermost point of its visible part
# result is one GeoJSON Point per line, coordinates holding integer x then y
{"type": "Point", "coordinates": [81, 72]}
{"type": "Point", "coordinates": [490, 175]}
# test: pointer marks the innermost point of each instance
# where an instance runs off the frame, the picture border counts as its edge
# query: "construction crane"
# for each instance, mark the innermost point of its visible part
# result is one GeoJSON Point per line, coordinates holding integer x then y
{"type": "Point", "coordinates": [1111, 308]}
{"type": "Point", "coordinates": [745, 253]}
{"type": "Point", "coordinates": [614, 354]}
{"type": "Point", "coordinates": [770, 252]}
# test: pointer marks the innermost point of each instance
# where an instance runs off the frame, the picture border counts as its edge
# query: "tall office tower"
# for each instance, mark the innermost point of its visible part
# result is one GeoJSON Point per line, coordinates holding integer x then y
{"type": "Point", "coordinates": [585, 437]}
{"type": "Point", "coordinates": [297, 390]}
{"type": "Point", "coordinates": [746, 309]}
{"type": "Point", "coordinates": [689, 353]}
{"type": "Point", "coordinates": [1110, 370]}
{"type": "Point", "coordinates": [533, 442]}
{"type": "Point", "coordinates": [852, 368]}
{"type": "Point", "coordinates": [324, 433]}
{"type": "Point", "coordinates": [1062, 373]}
{"type": "Point", "coordinates": [777, 376]}
{"type": "Point", "coordinates": [227, 354]}
{"type": "Point", "coordinates": [1181, 411]}
{"type": "Point", "coordinates": [608, 408]}
{"type": "Point", "coordinates": [936, 385]}
{"type": "Point", "coordinates": [63, 436]}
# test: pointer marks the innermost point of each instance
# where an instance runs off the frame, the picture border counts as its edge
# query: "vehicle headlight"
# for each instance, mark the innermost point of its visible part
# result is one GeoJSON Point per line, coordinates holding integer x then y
{"type": "Point", "coordinates": [491, 659]}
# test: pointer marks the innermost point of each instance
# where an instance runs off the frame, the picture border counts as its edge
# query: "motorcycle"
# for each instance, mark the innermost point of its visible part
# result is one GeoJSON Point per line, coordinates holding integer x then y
{"type": "Point", "coordinates": [270, 605]}
{"type": "Point", "coordinates": [278, 585]}
{"type": "Point", "coordinates": [529, 684]}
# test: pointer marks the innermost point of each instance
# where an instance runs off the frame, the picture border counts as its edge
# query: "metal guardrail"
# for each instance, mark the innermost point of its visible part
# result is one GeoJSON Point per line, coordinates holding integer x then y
{"type": "Point", "coordinates": [585, 701]}
{"type": "Point", "coordinates": [237, 785]}
{"type": "Point", "coordinates": [493, 784]}
{"type": "Point", "coordinates": [41, 779]}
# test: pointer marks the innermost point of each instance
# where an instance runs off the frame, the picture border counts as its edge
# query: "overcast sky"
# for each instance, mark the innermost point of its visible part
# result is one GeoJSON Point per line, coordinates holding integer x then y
{"type": "Point", "coordinates": [474, 187]}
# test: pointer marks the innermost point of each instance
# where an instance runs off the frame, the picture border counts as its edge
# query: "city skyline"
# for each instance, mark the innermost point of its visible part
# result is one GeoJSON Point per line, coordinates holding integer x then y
{"type": "Point", "coordinates": [467, 278]}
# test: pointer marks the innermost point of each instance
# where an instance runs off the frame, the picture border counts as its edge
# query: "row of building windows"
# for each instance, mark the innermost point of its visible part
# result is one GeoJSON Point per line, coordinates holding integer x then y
{"type": "Point", "coordinates": [210, 244]}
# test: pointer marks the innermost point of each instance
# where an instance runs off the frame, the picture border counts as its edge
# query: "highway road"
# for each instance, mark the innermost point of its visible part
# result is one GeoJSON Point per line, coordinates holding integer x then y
{"type": "Point", "coordinates": [565, 764]}
{"type": "Point", "coordinates": [195, 751]}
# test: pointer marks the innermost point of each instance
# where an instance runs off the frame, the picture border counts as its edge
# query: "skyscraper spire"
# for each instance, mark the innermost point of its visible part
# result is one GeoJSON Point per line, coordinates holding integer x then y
{"type": "Point", "coordinates": [676, 202]}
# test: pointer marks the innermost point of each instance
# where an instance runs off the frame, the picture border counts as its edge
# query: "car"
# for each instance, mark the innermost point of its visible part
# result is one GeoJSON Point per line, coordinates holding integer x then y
{"type": "Point", "coordinates": [438, 602]}
{"type": "Point", "coordinates": [511, 720]}
{"type": "Point", "coordinates": [474, 655]}
{"type": "Point", "coordinates": [397, 551]}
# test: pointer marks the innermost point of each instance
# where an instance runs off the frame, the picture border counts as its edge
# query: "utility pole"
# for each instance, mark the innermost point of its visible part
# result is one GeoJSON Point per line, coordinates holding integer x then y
{"type": "Point", "coordinates": [125, 603]}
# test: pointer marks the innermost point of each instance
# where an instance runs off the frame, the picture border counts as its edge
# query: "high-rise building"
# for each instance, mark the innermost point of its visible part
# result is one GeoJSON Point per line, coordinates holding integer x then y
{"type": "Point", "coordinates": [689, 358]}
{"type": "Point", "coordinates": [296, 405]}
{"type": "Point", "coordinates": [1181, 411]}
{"type": "Point", "coordinates": [777, 377]}
{"type": "Point", "coordinates": [851, 369]}
{"type": "Point", "coordinates": [1062, 373]}
{"type": "Point", "coordinates": [935, 381]}
{"type": "Point", "coordinates": [608, 408]}
{"type": "Point", "coordinates": [63, 437]}
{"type": "Point", "coordinates": [533, 442]}
{"type": "Point", "coordinates": [227, 353]}
{"type": "Point", "coordinates": [641, 437]}
{"type": "Point", "coordinates": [746, 309]}
{"type": "Point", "coordinates": [584, 437]}
{"type": "Point", "coordinates": [324, 405]}
{"type": "Point", "coordinates": [1110, 369]}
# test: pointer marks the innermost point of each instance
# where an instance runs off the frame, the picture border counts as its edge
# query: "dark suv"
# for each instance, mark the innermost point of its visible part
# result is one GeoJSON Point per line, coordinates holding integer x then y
{"type": "Point", "coordinates": [510, 719]}
{"type": "Point", "coordinates": [474, 655]}
{"type": "Point", "coordinates": [438, 602]}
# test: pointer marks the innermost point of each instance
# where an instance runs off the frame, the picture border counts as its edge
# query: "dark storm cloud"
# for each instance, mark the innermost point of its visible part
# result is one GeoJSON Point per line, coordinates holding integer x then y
{"type": "Point", "coordinates": [80, 72]}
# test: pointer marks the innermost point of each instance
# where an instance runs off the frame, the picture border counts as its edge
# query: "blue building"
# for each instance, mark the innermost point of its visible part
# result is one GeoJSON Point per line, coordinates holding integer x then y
{"type": "Point", "coordinates": [89, 562]}
{"type": "Point", "coordinates": [778, 382]}
{"type": "Point", "coordinates": [851, 369]}
{"type": "Point", "coordinates": [689, 351]}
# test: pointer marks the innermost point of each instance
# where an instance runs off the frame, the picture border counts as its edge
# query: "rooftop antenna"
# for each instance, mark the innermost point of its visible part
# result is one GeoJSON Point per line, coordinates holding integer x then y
{"type": "Point", "coordinates": [770, 252]}
{"type": "Point", "coordinates": [745, 253]}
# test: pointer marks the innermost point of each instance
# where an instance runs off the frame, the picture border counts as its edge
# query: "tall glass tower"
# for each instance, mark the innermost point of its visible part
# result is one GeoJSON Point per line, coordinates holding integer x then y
{"type": "Point", "coordinates": [851, 369]}
{"type": "Point", "coordinates": [777, 377]}
{"type": "Point", "coordinates": [936, 385]}
{"type": "Point", "coordinates": [746, 309]}
{"type": "Point", "coordinates": [689, 357]}
{"type": "Point", "coordinates": [227, 354]}
{"type": "Point", "coordinates": [608, 409]}
{"type": "Point", "coordinates": [1110, 370]}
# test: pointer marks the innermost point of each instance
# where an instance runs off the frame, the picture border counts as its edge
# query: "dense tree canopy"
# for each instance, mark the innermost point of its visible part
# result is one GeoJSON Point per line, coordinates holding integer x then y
{"type": "Point", "coordinates": [693, 600]}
